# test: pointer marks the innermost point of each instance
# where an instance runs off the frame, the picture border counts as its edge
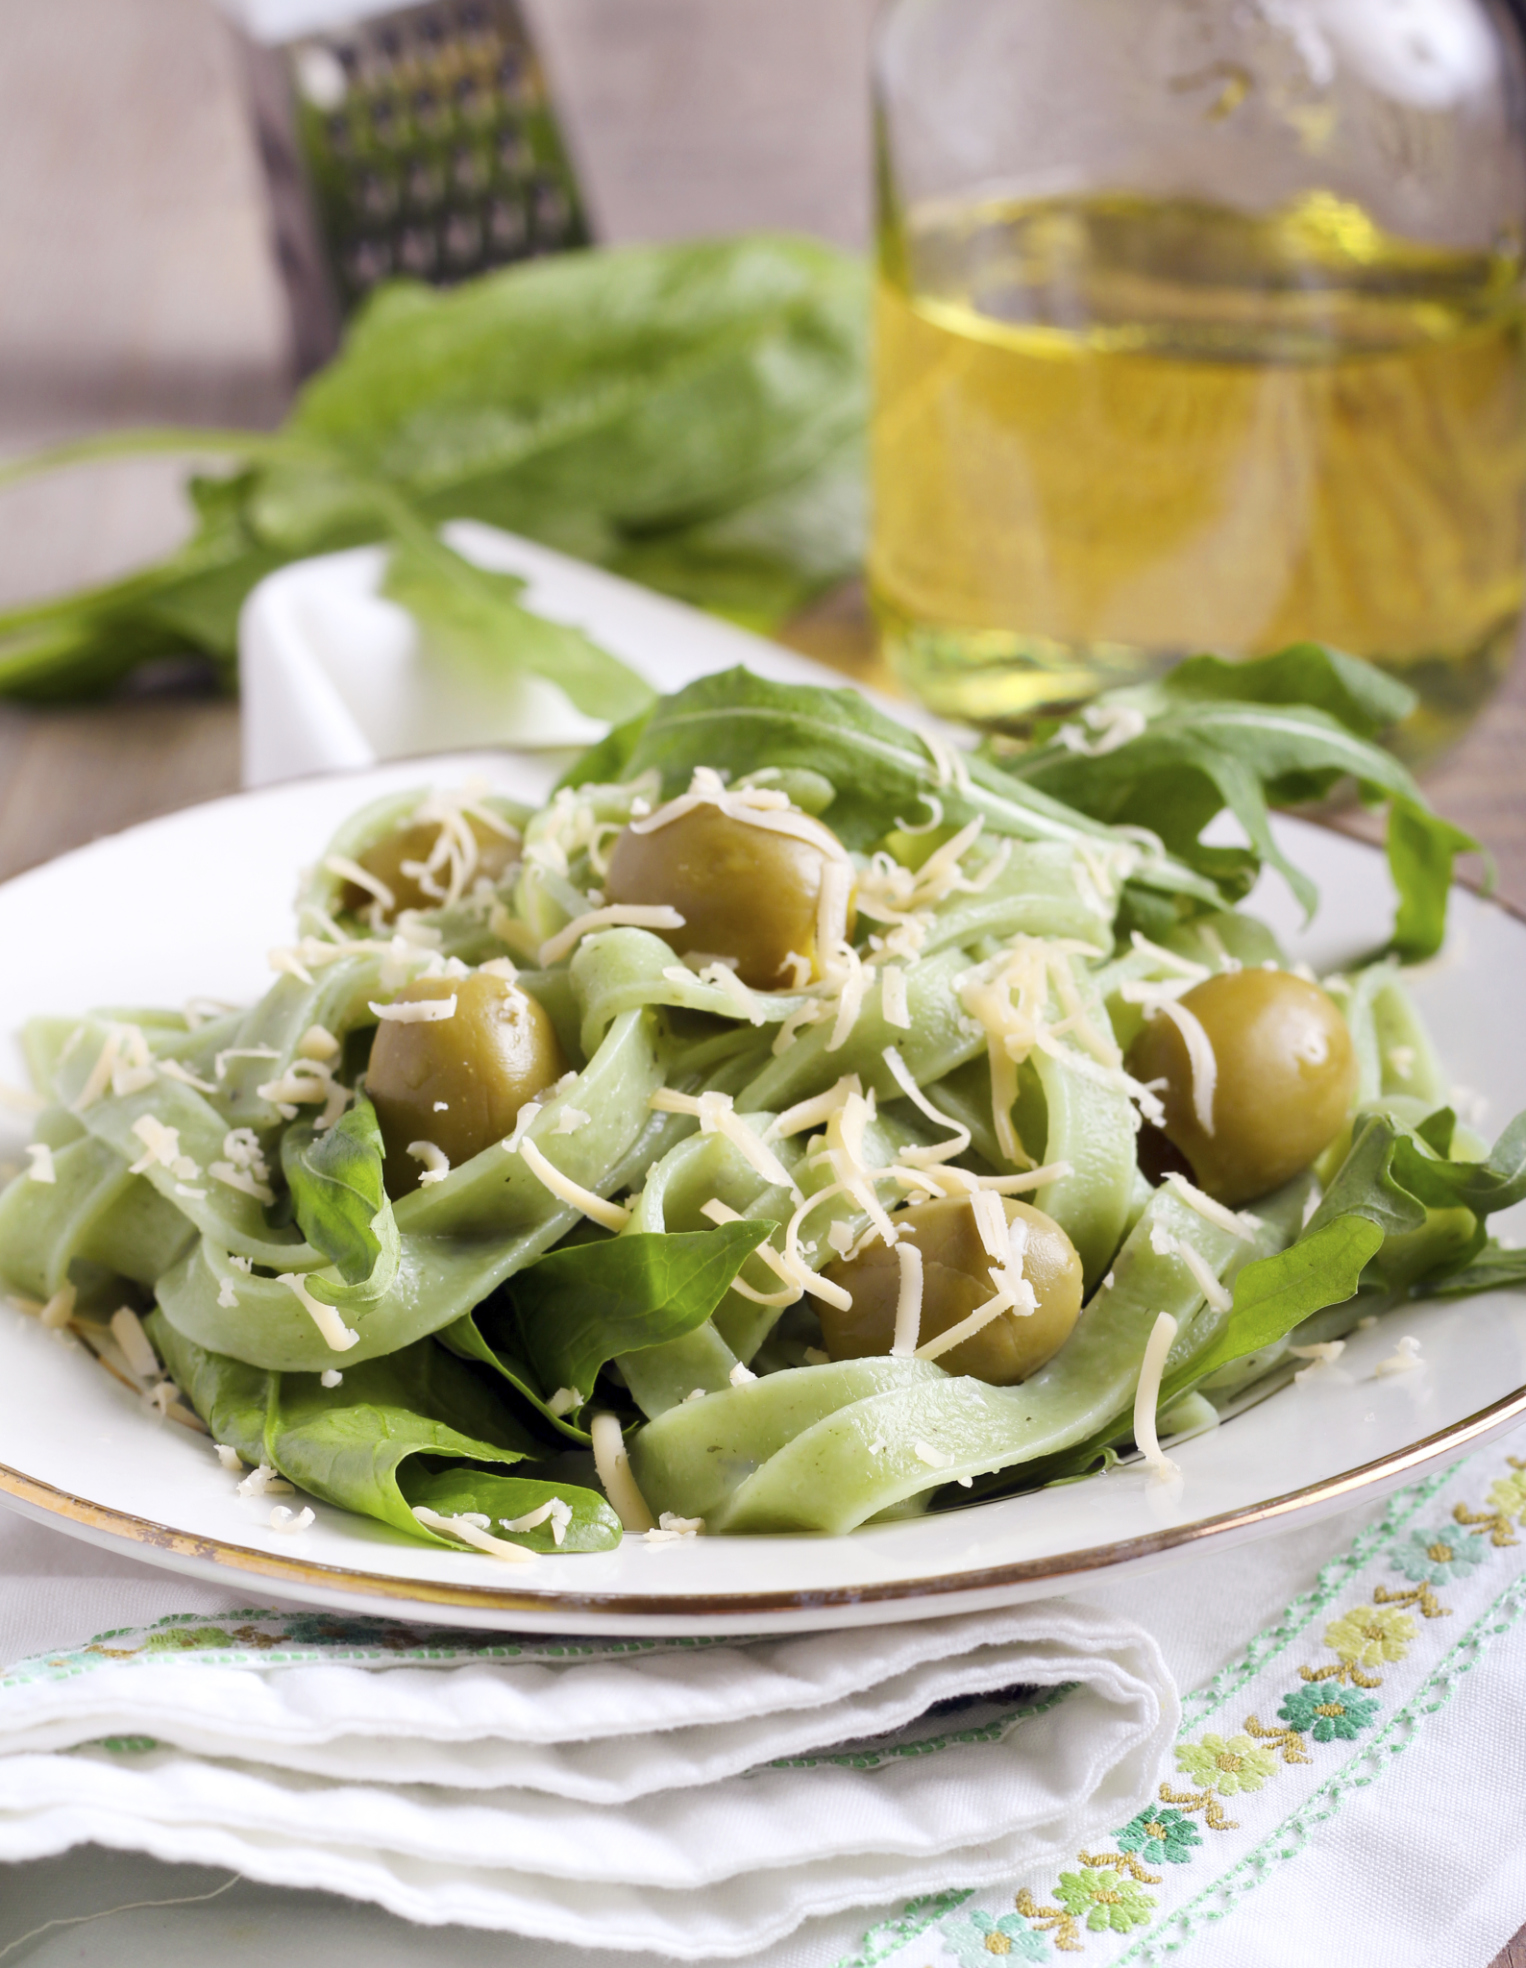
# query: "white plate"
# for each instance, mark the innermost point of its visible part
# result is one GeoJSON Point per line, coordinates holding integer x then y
{"type": "Point", "coordinates": [190, 905]}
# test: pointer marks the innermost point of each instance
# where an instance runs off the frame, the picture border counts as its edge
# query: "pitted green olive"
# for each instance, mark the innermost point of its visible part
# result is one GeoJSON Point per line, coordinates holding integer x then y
{"type": "Point", "coordinates": [458, 1082]}
{"type": "Point", "coordinates": [1284, 1078]}
{"type": "Point", "coordinates": [956, 1281]}
{"type": "Point", "coordinates": [414, 844]}
{"type": "Point", "coordinates": [746, 892]}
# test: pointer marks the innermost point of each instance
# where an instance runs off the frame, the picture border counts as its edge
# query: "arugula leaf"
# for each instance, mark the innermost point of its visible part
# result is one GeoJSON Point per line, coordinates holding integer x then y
{"type": "Point", "coordinates": [1283, 729]}
{"type": "Point", "coordinates": [1495, 1266]}
{"type": "Point", "coordinates": [474, 616]}
{"type": "Point", "coordinates": [743, 723]}
{"type": "Point", "coordinates": [690, 414]}
{"type": "Point", "coordinates": [579, 1307]}
{"type": "Point", "coordinates": [1275, 1294]}
{"type": "Point", "coordinates": [335, 1179]}
{"type": "Point", "coordinates": [1398, 1215]}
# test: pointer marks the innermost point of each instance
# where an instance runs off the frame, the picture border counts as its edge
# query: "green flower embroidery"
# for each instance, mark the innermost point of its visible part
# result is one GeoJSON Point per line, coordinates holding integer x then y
{"type": "Point", "coordinates": [1325, 1712]}
{"type": "Point", "coordinates": [977, 1941]}
{"type": "Point", "coordinates": [1104, 1900]}
{"type": "Point", "coordinates": [1368, 1636]}
{"type": "Point", "coordinates": [1226, 1767]}
{"type": "Point", "coordinates": [1160, 1835]}
{"type": "Point", "coordinates": [1508, 1495]}
{"type": "Point", "coordinates": [1438, 1557]}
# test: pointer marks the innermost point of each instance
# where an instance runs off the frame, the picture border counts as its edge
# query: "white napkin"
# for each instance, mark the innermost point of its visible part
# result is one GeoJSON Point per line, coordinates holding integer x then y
{"type": "Point", "coordinates": [697, 1800]}
{"type": "Point", "coordinates": [1400, 1848]}
{"type": "Point", "coordinates": [335, 677]}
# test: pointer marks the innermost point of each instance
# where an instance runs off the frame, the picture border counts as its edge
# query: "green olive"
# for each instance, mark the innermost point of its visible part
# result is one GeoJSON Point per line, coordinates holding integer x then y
{"type": "Point", "coordinates": [745, 892]}
{"type": "Point", "coordinates": [496, 853]}
{"type": "Point", "coordinates": [458, 1082]}
{"type": "Point", "coordinates": [1286, 1077]}
{"type": "Point", "coordinates": [956, 1280]}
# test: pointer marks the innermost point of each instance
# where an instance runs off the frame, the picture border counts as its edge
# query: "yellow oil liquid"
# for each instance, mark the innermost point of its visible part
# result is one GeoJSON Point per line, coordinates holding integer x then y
{"type": "Point", "coordinates": [1109, 433]}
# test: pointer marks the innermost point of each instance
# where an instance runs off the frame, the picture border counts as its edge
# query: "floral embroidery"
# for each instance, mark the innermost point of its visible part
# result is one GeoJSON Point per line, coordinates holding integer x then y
{"type": "Point", "coordinates": [1328, 1713]}
{"type": "Point", "coordinates": [1050, 1920]}
{"type": "Point", "coordinates": [1369, 1636]}
{"type": "Point", "coordinates": [1104, 1899]}
{"type": "Point", "coordinates": [1439, 1556]}
{"type": "Point", "coordinates": [975, 1940]}
{"type": "Point", "coordinates": [1226, 1766]}
{"type": "Point", "coordinates": [1160, 1837]}
{"type": "Point", "coordinates": [1508, 1494]}
{"type": "Point", "coordinates": [1106, 1893]}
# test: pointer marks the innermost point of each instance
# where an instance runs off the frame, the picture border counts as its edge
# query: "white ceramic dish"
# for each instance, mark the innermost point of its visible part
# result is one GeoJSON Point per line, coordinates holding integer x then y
{"type": "Point", "coordinates": [190, 904]}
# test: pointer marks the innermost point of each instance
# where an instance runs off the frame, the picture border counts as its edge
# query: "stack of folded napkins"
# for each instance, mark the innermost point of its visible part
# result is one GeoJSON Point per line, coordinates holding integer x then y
{"type": "Point", "coordinates": [693, 1798]}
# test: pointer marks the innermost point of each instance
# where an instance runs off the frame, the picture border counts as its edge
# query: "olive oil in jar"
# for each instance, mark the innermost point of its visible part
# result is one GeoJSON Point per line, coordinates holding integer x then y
{"type": "Point", "coordinates": [1111, 432]}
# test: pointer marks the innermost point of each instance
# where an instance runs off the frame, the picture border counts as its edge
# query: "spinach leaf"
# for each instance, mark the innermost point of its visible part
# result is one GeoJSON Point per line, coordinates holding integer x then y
{"type": "Point", "coordinates": [416, 1427]}
{"type": "Point", "coordinates": [579, 1307]}
{"type": "Point", "coordinates": [1494, 1267]}
{"type": "Point", "coordinates": [688, 414]}
{"type": "Point", "coordinates": [1282, 730]}
{"type": "Point", "coordinates": [742, 723]}
{"type": "Point", "coordinates": [335, 1179]}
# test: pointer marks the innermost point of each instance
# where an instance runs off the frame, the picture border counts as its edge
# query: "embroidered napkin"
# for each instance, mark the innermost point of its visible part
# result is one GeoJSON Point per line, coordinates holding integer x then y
{"type": "Point", "coordinates": [1344, 1784]}
{"type": "Point", "coordinates": [698, 1800]}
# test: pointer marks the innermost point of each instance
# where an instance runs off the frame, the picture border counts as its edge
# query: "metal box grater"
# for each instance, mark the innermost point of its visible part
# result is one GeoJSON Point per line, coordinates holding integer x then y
{"type": "Point", "coordinates": [421, 141]}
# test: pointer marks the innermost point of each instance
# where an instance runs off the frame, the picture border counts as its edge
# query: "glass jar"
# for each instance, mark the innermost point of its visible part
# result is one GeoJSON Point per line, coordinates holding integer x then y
{"type": "Point", "coordinates": [1198, 326]}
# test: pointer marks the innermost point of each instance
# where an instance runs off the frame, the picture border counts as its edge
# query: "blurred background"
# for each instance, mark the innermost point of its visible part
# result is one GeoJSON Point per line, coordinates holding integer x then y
{"type": "Point", "coordinates": [139, 283]}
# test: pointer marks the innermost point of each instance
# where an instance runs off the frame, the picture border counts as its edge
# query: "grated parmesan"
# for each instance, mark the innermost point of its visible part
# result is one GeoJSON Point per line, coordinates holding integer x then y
{"type": "Point", "coordinates": [1404, 1358]}
{"type": "Point", "coordinates": [614, 1470]}
{"type": "Point", "coordinates": [615, 915]}
{"type": "Point", "coordinates": [435, 1160]}
{"type": "Point", "coordinates": [1147, 1397]}
{"type": "Point", "coordinates": [41, 1158]}
{"type": "Point", "coordinates": [1237, 1224]}
{"type": "Point", "coordinates": [330, 1377]}
{"type": "Point", "coordinates": [564, 1400]}
{"type": "Point", "coordinates": [1203, 1065]}
{"type": "Point", "coordinates": [262, 1481]}
{"type": "Point", "coordinates": [468, 1530]}
{"type": "Point", "coordinates": [336, 1334]}
{"type": "Point", "coordinates": [611, 1215]}
{"type": "Point", "coordinates": [716, 1114]}
{"type": "Point", "coordinates": [59, 1310]}
{"type": "Point", "coordinates": [908, 1306]}
{"type": "Point", "coordinates": [417, 1011]}
{"type": "Point", "coordinates": [281, 1519]}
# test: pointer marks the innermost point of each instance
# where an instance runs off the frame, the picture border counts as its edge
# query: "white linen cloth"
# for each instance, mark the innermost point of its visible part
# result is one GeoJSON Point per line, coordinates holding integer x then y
{"type": "Point", "coordinates": [698, 1800]}
{"type": "Point", "coordinates": [1400, 1847]}
{"type": "Point", "coordinates": [335, 677]}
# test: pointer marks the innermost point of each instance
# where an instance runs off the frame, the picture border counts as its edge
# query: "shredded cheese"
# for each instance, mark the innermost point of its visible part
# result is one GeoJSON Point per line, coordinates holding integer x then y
{"type": "Point", "coordinates": [330, 1377]}
{"type": "Point", "coordinates": [564, 1400]}
{"type": "Point", "coordinates": [41, 1157]}
{"type": "Point", "coordinates": [716, 1114]}
{"type": "Point", "coordinates": [127, 1331]}
{"type": "Point", "coordinates": [281, 1519]}
{"type": "Point", "coordinates": [336, 1334]}
{"type": "Point", "coordinates": [934, 1458]}
{"type": "Point", "coordinates": [1238, 1225]}
{"type": "Point", "coordinates": [263, 1481]}
{"type": "Point", "coordinates": [611, 1215]}
{"type": "Point", "coordinates": [740, 1375]}
{"type": "Point", "coordinates": [418, 1011]}
{"type": "Point", "coordinates": [908, 1305]}
{"type": "Point", "coordinates": [173, 1070]}
{"type": "Point", "coordinates": [229, 1458]}
{"type": "Point", "coordinates": [1147, 1397]}
{"type": "Point", "coordinates": [614, 1471]}
{"type": "Point", "coordinates": [351, 871]}
{"type": "Point", "coordinates": [1203, 1065]}
{"type": "Point", "coordinates": [614, 915]}
{"type": "Point", "coordinates": [435, 1160]}
{"type": "Point", "coordinates": [894, 1008]}
{"type": "Point", "coordinates": [59, 1310]}
{"type": "Point", "coordinates": [466, 1530]}
{"type": "Point", "coordinates": [1403, 1359]}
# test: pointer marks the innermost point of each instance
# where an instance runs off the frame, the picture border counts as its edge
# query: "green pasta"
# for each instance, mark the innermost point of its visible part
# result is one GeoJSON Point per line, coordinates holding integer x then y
{"type": "Point", "coordinates": [516, 1152]}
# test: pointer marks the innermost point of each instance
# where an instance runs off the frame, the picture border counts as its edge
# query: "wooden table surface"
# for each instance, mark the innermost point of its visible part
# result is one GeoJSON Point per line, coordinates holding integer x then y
{"type": "Point", "coordinates": [136, 285]}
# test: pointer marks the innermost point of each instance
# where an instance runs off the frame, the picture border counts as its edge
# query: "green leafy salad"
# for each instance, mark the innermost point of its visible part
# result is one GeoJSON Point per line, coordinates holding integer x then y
{"type": "Point", "coordinates": [794, 1124]}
